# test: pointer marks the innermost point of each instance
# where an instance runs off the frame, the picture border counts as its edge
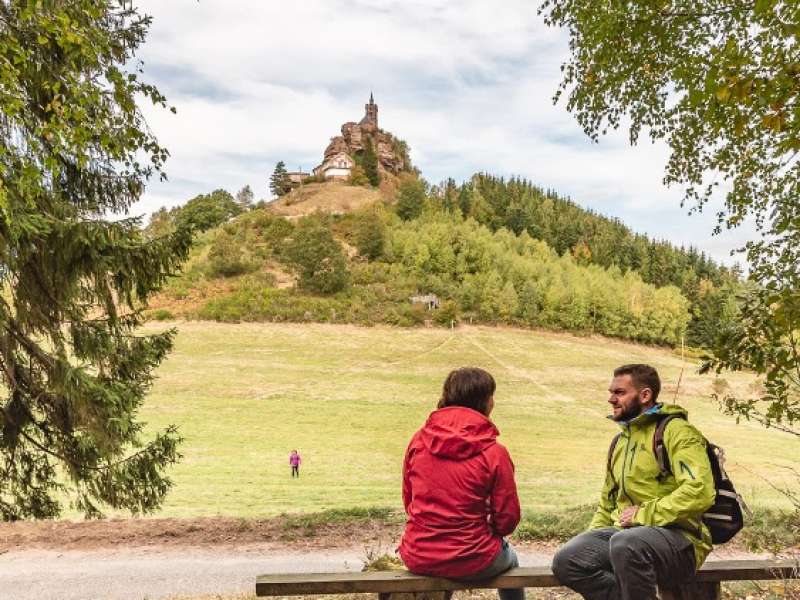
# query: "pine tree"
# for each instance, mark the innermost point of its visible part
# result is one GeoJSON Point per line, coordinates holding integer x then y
{"type": "Point", "coordinates": [74, 367]}
{"type": "Point", "coordinates": [279, 183]}
{"type": "Point", "coordinates": [371, 163]}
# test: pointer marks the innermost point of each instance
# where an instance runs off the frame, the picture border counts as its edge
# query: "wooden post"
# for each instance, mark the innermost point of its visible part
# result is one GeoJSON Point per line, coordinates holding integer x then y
{"type": "Point", "coordinates": [708, 590]}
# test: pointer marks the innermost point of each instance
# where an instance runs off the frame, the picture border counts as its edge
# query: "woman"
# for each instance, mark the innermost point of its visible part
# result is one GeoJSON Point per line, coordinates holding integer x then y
{"type": "Point", "coordinates": [458, 488]}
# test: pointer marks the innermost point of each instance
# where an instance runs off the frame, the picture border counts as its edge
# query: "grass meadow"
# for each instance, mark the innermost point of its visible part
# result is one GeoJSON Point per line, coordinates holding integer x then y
{"type": "Point", "coordinates": [349, 399]}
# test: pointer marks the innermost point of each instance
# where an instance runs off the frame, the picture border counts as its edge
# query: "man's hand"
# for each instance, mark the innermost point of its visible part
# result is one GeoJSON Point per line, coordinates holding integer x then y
{"type": "Point", "coordinates": [627, 516]}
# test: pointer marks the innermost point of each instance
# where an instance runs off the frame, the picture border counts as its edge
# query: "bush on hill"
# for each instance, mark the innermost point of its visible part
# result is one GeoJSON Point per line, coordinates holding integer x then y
{"type": "Point", "coordinates": [316, 257]}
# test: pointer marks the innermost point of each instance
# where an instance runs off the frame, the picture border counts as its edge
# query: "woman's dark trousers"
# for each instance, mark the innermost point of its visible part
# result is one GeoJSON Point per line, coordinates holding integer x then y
{"type": "Point", "coordinates": [624, 564]}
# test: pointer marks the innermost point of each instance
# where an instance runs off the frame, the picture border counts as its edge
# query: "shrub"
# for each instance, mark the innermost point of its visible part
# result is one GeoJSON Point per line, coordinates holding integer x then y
{"type": "Point", "coordinates": [161, 314]}
{"type": "Point", "coordinates": [316, 257]}
{"type": "Point", "coordinates": [369, 235]}
{"type": "Point", "coordinates": [358, 176]}
{"type": "Point", "coordinates": [226, 258]}
{"type": "Point", "coordinates": [446, 314]}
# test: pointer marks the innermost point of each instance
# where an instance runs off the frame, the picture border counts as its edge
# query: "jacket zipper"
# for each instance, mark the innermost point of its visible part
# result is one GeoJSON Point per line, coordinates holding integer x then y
{"type": "Point", "coordinates": [625, 461]}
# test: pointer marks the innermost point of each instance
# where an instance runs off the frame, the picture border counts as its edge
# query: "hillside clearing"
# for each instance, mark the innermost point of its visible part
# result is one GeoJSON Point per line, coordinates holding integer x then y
{"type": "Point", "coordinates": [349, 398]}
{"type": "Point", "coordinates": [329, 197]}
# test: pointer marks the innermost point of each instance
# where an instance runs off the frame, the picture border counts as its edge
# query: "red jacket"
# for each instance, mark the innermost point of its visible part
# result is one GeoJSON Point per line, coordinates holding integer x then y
{"type": "Point", "coordinates": [459, 494]}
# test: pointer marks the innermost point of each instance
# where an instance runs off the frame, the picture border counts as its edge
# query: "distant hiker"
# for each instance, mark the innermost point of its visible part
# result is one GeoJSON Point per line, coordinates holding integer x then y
{"type": "Point", "coordinates": [294, 462]}
{"type": "Point", "coordinates": [458, 488]}
{"type": "Point", "coordinates": [647, 528]}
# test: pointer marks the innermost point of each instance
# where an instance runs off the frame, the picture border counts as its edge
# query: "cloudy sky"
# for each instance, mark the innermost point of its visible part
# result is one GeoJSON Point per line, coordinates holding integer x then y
{"type": "Point", "coordinates": [467, 84]}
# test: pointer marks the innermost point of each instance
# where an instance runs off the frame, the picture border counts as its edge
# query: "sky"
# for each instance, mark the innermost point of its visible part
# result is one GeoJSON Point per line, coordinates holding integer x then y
{"type": "Point", "coordinates": [468, 84]}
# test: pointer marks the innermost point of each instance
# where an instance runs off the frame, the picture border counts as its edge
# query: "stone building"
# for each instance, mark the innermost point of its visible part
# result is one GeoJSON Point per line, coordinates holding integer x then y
{"type": "Point", "coordinates": [339, 157]}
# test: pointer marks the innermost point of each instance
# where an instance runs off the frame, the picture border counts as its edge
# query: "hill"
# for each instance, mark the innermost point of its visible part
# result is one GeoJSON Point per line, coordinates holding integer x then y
{"type": "Point", "coordinates": [329, 197]}
{"type": "Point", "coordinates": [349, 398]}
{"type": "Point", "coordinates": [489, 250]}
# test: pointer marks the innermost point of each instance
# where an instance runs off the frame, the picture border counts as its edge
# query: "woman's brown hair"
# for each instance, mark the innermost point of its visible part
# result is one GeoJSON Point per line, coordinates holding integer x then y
{"type": "Point", "coordinates": [470, 387]}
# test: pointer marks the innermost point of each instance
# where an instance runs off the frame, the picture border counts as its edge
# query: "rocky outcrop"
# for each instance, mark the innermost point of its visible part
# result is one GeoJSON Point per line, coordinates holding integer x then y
{"type": "Point", "coordinates": [354, 137]}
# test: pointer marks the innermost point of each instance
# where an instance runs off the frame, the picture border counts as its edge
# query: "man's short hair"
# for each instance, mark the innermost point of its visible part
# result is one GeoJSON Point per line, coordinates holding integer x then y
{"type": "Point", "coordinates": [468, 386]}
{"type": "Point", "coordinates": [643, 376]}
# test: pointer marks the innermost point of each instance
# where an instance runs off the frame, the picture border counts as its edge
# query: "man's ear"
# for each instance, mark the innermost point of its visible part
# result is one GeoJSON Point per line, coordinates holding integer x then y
{"type": "Point", "coordinates": [645, 395]}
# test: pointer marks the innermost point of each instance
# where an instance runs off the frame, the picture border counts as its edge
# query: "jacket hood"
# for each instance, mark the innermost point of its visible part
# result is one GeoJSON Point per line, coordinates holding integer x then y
{"type": "Point", "coordinates": [456, 433]}
{"type": "Point", "coordinates": [659, 410]}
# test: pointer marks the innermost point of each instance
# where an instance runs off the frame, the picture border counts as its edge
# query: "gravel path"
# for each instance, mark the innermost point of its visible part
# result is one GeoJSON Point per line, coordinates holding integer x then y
{"type": "Point", "coordinates": [149, 573]}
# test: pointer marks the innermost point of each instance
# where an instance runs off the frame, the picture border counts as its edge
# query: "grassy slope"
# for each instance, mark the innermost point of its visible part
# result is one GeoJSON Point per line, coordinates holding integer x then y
{"type": "Point", "coordinates": [329, 197]}
{"type": "Point", "coordinates": [349, 398]}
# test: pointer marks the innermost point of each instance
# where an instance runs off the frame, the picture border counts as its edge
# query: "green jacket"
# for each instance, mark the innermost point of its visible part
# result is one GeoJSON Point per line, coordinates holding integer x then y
{"type": "Point", "coordinates": [680, 499]}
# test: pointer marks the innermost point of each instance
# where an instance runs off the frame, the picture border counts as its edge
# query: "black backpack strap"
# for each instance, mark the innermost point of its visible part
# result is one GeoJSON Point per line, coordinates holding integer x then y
{"type": "Point", "coordinates": [611, 453]}
{"type": "Point", "coordinates": [659, 448]}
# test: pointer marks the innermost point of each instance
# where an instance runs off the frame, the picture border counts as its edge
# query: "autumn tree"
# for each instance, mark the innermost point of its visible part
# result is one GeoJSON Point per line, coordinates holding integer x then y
{"type": "Point", "coordinates": [720, 83]}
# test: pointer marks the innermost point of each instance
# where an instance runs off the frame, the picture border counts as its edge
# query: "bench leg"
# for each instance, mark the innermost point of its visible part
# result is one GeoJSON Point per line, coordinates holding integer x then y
{"type": "Point", "coordinates": [693, 591]}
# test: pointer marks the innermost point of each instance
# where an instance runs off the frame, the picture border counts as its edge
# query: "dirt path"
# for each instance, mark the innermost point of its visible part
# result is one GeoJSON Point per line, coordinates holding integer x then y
{"type": "Point", "coordinates": [138, 559]}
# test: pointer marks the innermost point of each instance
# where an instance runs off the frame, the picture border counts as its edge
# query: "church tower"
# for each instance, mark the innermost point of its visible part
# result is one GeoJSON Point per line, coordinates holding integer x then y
{"type": "Point", "coordinates": [371, 110]}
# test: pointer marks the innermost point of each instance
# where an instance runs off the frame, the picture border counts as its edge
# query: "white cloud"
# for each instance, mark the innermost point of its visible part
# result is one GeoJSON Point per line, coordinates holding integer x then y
{"type": "Point", "coordinates": [468, 84]}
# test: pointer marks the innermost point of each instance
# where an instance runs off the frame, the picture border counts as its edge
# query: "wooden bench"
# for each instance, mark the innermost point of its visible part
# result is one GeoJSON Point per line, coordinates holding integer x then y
{"type": "Point", "coordinates": [385, 583]}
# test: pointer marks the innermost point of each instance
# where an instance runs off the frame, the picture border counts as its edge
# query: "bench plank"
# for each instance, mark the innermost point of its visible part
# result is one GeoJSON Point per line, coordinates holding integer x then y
{"type": "Point", "coordinates": [393, 582]}
{"type": "Point", "coordinates": [388, 582]}
{"type": "Point", "coordinates": [748, 570]}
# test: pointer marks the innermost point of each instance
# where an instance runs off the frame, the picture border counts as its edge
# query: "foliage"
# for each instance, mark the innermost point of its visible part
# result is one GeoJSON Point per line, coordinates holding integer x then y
{"type": "Point", "coordinates": [498, 276]}
{"type": "Point", "coordinates": [594, 239]}
{"type": "Point", "coordinates": [74, 367]}
{"type": "Point", "coordinates": [447, 314]}
{"type": "Point", "coordinates": [369, 234]}
{"type": "Point", "coordinates": [316, 257]}
{"type": "Point", "coordinates": [226, 258]}
{"type": "Point", "coordinates": [764, 340]}
{"type": "Point", "coordinates": [207, 210]}
{"type": "Point", "coordinates": [161, 314]}
{"type": "Point", "coordinates": [719, 83]}
{"type": "Point", "coordinates": [411, 194]}
{"type": "Point", "coordinates": [244, 198]}
{"type": "Point", "coordinates": [358, 176]}
{"type": "Point", "coordinates": [370, 163]}
{"type": "Point", "coordinates": [279, 183]}
{"type": "Point", "coordinates": [161, 224]}
{"type": "Point", "coordinates": [400, 149]}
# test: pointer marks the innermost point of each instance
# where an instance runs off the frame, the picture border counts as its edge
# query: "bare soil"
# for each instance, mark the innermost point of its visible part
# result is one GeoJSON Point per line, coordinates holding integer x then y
{"type": "Point", "coordinates": [196, 532]}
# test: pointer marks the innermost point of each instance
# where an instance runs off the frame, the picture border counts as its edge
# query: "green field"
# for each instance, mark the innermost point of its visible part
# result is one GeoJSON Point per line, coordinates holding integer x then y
{"type": "Point", "coordinates": [349, 399]}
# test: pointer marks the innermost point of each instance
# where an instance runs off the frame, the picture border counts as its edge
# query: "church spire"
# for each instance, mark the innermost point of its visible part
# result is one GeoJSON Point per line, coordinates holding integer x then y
{"type": "Point", "coordinates": [371, 112]}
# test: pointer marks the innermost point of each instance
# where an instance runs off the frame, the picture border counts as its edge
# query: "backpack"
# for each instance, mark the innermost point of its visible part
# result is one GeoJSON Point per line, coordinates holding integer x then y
{"type": "Point", "coordinates": [725, 518]}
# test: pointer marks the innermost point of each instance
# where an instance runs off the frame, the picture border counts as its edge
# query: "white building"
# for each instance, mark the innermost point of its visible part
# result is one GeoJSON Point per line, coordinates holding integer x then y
{"type": "Point", "coordinates": [337, 166]}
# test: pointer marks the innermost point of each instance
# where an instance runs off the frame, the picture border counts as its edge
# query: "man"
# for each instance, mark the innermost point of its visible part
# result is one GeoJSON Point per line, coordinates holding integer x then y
{"type": "Point", "coordinates": [647, 529]}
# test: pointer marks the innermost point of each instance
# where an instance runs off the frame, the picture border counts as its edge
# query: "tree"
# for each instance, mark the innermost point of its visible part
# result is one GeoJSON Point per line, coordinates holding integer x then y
{"type": "Point", "coordinates": [74, 367]}
{"type": "Point", "coordinates": [719, 83]}
{"type": "Point", "coordinates": [411, 194]}
{"type": "Point", "coordinates": [279, 183]}
{"type": "Point", "coordinates": [369, 234]}
{"type": "Point", "coordinates": [370, 163]}
{"type": "Point", "coordinates": [317, 257]}
{"type": "Point", "coordinates": [225, 258]}
{"type": "Point", "coordinates": [244, 198]}
{"type": "Point", "coordinates": [206, 211]}
{"type": "Point", "coordinates": [161, 224]}
{"type": "Point", "coordinates": [358, 177]}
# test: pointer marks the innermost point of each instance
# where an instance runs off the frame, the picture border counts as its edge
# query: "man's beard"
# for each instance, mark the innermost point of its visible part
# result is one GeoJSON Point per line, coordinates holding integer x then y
{"type": "Point", "coordinates": [632, 411]}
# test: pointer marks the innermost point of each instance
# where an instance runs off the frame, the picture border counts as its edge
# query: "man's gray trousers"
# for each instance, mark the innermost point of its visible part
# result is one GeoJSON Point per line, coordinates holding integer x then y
{"type": "Point", "coordinates": [624, 564]}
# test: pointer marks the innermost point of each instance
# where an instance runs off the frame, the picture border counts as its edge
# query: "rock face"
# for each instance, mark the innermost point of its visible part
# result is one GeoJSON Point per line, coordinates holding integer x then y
{"type": "Point", "coordinates": [353, 140]}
